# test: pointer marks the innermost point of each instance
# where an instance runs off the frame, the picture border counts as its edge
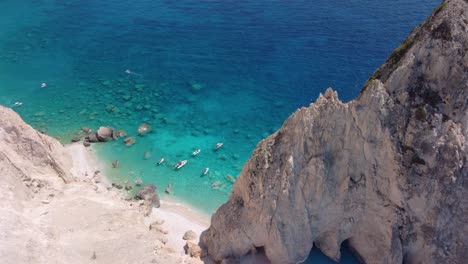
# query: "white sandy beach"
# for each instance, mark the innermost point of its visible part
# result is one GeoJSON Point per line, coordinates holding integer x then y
{"type": "Point", "coordinates": [55, 207]}
{"type": "Point", "coordinates": [178, 218]}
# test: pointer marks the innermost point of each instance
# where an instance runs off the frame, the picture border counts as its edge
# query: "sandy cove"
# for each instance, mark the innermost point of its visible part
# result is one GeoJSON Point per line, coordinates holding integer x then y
{"type": "Point", "coordinates": [56, 208]}
{"type": "Point", "coordinates": [101, 200]}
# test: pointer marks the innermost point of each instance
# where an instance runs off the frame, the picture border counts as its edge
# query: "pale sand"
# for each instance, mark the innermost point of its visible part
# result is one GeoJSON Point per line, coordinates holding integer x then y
{"type": "Point", "coordinates": [178, 217]}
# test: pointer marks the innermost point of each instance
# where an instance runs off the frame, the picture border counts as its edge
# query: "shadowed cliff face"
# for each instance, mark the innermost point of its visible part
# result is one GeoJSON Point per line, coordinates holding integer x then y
{"type": "Point", "coordinates": [387, 172]}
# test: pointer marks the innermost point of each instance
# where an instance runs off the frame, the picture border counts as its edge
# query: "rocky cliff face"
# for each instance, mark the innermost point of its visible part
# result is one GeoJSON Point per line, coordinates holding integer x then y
{"type": "Point", "coordinates": [30, 156]}
{"type": "Point", "coordinates": [386, 172]}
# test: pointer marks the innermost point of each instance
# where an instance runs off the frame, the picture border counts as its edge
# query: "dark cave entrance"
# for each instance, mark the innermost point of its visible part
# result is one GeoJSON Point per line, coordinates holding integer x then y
{"type": "Point", "coordinates": [347, 256]}
{"type": "Point", "coordinates": [315, 256]}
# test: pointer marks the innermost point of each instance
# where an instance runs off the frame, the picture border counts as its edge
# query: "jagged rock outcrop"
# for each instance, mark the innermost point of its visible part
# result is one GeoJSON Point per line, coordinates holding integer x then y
{"type": "Point", "coordinates": [105, 134]}
{"type": "Point", "coordinates": [386, 172]}
{"type": "Point", "coordinates": [149, 193]}
{"type": "Point", "coordinates": [29, 154]}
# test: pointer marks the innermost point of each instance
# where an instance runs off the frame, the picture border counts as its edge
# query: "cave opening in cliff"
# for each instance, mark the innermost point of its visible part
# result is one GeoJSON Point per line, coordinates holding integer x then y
{"type": "Point", "coordinates": [256, 255]}
{"type": "Point", "coordinates": [347, 256]}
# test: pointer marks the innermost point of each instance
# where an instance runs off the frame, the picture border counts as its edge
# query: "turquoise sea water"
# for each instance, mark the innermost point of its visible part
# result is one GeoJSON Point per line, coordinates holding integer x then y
{"type": "Point", "coordinates": [202, 72]}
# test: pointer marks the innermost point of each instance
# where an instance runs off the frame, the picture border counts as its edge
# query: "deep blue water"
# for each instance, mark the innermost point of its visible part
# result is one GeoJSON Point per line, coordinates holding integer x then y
{"type": "Point", "coordinates": [202, 72]}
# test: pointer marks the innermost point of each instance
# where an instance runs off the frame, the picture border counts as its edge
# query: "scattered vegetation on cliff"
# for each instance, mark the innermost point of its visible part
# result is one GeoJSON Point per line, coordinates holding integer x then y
{"type": "Point", "coordinates": [385, 70]}
{"type": "Point", "coordinates": [440, 8]}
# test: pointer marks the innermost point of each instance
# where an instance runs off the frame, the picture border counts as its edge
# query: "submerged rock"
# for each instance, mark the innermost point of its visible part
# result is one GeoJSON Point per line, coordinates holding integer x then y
{"type": "Point", "coordinates": [144, 129]}
{"type": "Point", "coordinates": [116, 134]}
{"type": "Point", "coordinates": [230, 178]}
{"type": "Point", "coordinates": [168, 189]}
{"type": "Point", "coordinates": [196, 87]}
{"type": "Point", "coordinates": [386, 172]}
{"type": "Point", "coordinates": [129, 141]}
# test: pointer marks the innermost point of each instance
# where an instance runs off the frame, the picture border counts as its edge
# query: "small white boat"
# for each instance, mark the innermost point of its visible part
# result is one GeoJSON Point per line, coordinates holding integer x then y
{"type": "Point", "coordinates": [196, 152]}
{"type": "Point", "coordinates": [18, 104]}
{"type": "Point", "coordinates": [43, 85]}
{"type": "Point", "coordinates": [160, 161]}
{"type": "Point", "coordinates": [180, 164]}
{"type": "Point", "coordinates": [218, 145]}
{"type": "Point", "coordinates": [206, 170]}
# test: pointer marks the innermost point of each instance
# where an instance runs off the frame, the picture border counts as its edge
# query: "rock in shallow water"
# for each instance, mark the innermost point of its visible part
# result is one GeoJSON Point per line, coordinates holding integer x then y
{"type": "Point", "coordinates": [144, 129]}
{"type": "Point", "coordinates": [92, 137]}
{"type": "Point", "coordinates": [129, 141]}
{"type": "Point", "coordinates": [104, 134]}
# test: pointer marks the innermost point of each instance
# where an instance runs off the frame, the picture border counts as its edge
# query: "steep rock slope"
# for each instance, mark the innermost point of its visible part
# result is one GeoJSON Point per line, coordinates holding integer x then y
{"type": "Point", "coordinates": [55, 209]}
{"type": "Point", "coordinates": [386, 172]}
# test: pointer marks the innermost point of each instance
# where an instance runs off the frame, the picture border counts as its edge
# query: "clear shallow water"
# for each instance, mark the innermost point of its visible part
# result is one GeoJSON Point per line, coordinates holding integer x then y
{"type": "Point", "coordinates": [255, 61]}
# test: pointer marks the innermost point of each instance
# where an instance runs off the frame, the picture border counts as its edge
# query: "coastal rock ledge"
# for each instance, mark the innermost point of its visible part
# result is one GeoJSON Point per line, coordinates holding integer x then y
{"type": "Point", "coordinates": [386, 172]}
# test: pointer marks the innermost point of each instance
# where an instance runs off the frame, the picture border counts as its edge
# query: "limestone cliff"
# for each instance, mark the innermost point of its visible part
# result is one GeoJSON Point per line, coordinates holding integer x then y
{"type": "Point", "coordinates": [55, 208]}
{"type": "Point", "coordinates": [386, 172]}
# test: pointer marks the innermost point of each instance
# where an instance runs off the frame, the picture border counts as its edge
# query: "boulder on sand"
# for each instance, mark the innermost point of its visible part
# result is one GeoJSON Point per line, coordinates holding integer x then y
{"type": "Point", "coordinates": [149, 193]}
{"type": "Point", "coordinates": [190, 235]}
{"type": "Point", "coordinates": [193, 250]}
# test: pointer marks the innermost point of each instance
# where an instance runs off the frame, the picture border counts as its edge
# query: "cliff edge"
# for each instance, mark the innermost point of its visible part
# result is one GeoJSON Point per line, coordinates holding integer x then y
{"type": "Point", "coordinates": [55, 207]}
{"type": "Point", "coordinates": [386, 172]}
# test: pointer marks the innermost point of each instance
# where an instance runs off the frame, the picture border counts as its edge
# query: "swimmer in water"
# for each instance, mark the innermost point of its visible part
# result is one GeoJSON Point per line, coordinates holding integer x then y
{"type": "Point", "coordinates": [160, 161]}
{"type": "Point", "coordinates": [43, 85]}
{"type": "Point", "coordinates": [219, 145]}
{"type": "Point", "coordinates": [133, 73]}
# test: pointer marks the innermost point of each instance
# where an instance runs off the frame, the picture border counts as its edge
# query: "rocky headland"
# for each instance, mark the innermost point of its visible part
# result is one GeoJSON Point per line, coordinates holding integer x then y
{"type": "Point", "coordinates": [385, 173]}
{"type": "Point", "coordinates": [56, 207]}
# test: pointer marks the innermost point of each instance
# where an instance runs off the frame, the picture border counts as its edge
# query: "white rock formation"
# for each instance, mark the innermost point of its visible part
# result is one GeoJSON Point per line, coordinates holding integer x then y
{"type": "Point", "coordinates": [386, 172]}
{"type": "Point", "coordinates": [53, 211]}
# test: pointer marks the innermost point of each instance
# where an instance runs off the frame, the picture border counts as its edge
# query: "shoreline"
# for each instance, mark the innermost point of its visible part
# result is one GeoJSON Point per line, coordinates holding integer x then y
{"type": "Point", "coordinates": [177, 216]}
